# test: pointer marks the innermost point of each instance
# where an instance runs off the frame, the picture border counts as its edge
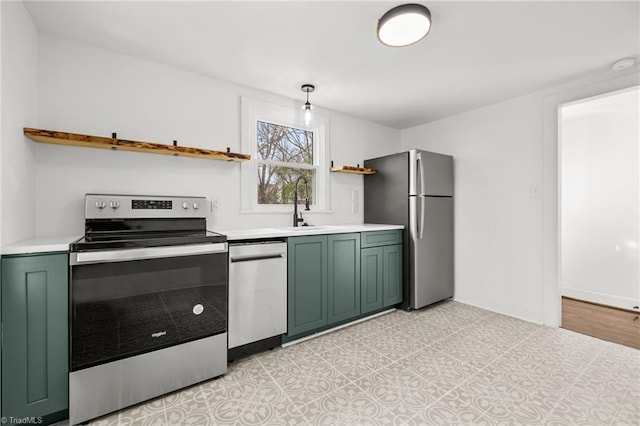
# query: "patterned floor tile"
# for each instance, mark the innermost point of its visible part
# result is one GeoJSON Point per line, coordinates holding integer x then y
{"type": "Point", "coordinates": [317, 367]}
{"type": "Point", "coordinates": [397, 388]}
{"type": "Point", "coordinates": [466, 398]}
{"type": "Point", "coordinates": [300, 350]}
{"type": "Point", "coordinates": [188, 413]}
{"type": "Point", "coordinates": [521, 407]}
{"type": "Point", "coordinates": [301, 388]}
{"type": "Point", "coordinates": [347, 406]}
{"type": "Point", "coordinates": [276, 358]}
{"type": "Point", "coordinates": [392, 344]}
{"type": "Point", "coordinates": [137, 413]}
{"type": "Point", "coordinates": [331, 340]}
{"type": "Point", "coordinates": [246, 368]}
{"type": "Point", "coordinates": [442, 414]}
{"type": "Point", "coordinates": [158, 419]}
{"type": "Point", "coordinates": [628, 412]}
{"type": "Point", "coordinates": [249, 403]}
{"type": "Point", "coordinates": [438, 368]}
{"type": "Point", "coordinates": [363, 329]}
{"type": "Point", "coordinates": [177, 399]}
{"type": "Point", "coordinates": [356, 360]}
{"type": "Point", "coordinates": [446, 364]}
{"type": "Point", "coordinates": [578, 412]}
{"type": "Point", "coordinates": [397, 318]}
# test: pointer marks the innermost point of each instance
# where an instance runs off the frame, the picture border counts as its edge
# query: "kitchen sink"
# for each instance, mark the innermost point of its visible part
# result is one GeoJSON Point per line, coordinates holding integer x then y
{"type": "Point", "coordinates": [307, 228]}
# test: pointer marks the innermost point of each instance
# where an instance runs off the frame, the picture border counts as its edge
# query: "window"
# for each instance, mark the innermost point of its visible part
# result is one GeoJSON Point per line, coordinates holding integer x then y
{"type": "Point", "coordinates": [283, 155]}
{"type": "Point", "coordinates": [282, 150]}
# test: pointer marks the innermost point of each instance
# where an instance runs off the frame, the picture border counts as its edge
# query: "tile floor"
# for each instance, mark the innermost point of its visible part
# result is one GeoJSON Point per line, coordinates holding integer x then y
{"type": "Point", "coordinates": [449, 364]}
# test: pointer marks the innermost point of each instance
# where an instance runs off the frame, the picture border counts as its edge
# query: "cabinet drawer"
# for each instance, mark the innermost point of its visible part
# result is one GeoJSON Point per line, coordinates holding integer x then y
{"type": "Point", "coordinates": [380, 238]}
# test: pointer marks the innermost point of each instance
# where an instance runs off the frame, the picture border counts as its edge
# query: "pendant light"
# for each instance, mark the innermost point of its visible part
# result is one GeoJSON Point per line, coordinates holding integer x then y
{"type": "Point", "coordinates": [404, 25]}
{"type": "Point", "coordinates": [308, 88]}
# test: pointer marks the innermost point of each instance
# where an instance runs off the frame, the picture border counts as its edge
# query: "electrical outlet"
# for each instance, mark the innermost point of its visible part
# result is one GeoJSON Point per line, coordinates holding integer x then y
{"type": "Point", "coordinates": [354, 207]}
{"type": "Point", "coordinates": [354, 195]}
{"type": "Point", "coordinates": [215, 205]}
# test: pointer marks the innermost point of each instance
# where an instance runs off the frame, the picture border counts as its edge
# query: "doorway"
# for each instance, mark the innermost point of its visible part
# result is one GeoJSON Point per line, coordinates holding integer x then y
{"type": "Point", "coordinates": [599, 215]}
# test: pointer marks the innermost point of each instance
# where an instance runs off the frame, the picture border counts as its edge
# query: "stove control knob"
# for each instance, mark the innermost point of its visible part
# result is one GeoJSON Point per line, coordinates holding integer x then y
{"type": "Point", "coordinates": [114, 204]}
{"type": "Point", "coordinates": [185, 205]}
{"type": "Point", "coordinates": [196, 206]}
{"type": "Point", "coordinates": [101, 204]}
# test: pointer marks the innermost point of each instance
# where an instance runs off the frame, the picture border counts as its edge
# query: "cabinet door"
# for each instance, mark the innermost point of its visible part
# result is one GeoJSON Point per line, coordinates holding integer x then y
{"type": "Point", "coordinates": [306, 283]}
{"type": "Point", "coordinates": [34, 336]}
{"type": "Point", "coordinates": [344, 277]}
{"type": "Point", "coordinates": [371, 279]}
{"type": "Point", "coordinates": [392, 279]}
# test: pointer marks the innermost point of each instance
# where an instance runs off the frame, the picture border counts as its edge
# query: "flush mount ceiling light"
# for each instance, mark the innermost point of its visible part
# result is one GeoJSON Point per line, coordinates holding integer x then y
{"type": "Point", "coordinates": [307, 88]}
{"type": "Point", "coordinates": [623, 64]}
{"type": "Point", "coordinates": [404, 25]}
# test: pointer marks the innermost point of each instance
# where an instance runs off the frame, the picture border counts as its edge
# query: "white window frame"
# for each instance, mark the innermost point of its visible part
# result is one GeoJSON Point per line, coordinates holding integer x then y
{"type": "Point", "coordinates": [253, 111]}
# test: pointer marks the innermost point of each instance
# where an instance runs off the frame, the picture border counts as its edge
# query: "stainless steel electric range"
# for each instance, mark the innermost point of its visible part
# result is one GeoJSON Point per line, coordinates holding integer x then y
{"type": "Point", "coordinates": [147, 302]}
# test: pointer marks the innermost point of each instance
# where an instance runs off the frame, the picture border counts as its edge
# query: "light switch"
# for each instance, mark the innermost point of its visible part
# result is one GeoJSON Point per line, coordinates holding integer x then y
{"type": "Point", "coordinates": [534, 191]}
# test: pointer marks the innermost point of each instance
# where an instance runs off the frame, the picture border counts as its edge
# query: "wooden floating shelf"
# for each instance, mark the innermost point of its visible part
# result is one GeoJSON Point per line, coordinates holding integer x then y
{"type": "Point", "coordinates": [353, 170]}
{"type": "Point", "coordinates": [76, 139]}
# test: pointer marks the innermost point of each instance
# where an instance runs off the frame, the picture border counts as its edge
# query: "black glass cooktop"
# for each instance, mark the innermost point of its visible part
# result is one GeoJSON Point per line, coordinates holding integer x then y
{"type": "Point", "coordinates": [105, 234]}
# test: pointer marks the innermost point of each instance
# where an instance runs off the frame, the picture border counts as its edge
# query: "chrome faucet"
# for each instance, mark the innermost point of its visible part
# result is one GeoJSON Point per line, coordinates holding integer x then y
{"type": "Point", "coordinates": [297, 219]}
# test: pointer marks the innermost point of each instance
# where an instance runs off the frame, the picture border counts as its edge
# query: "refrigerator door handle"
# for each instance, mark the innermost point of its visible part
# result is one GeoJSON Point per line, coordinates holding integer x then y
{"type": "Point", "coordinates": [421, 175]}
{"type": "Point", "coordinates": [416, 217]}
{"type": "Point", "coordinates": [422, 209]}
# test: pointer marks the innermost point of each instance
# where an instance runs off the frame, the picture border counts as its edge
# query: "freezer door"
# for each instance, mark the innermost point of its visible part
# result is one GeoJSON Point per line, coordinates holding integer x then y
{"type": "Point", "coordinates": [430, 173]}
{"type": "Point", "coordinates": [431, 250]}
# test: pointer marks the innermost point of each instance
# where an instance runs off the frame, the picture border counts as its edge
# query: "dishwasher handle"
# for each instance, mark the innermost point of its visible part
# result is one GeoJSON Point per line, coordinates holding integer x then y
{"type": "Point", "coordinates": [252, 258]}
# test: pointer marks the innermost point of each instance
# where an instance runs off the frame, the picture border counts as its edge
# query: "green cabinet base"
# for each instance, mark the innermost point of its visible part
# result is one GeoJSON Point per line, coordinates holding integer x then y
{"type": "Point", "coordinates": [306, 283]}
{"type": "Point", "coordinates": [34, 337]}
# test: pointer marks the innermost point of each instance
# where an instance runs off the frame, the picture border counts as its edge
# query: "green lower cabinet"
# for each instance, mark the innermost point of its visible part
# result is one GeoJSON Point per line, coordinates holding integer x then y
{"type": "Point", "coordinates": [392, 275]}
{"type": "Point", "coordinates": [337, 278]}
{"type": "Point", "coordinates": [371, 279]}
{"type": "Point", "coordinates": [35, 337]}
{"type": "Point", "coordinates": [344, 277]}
{"type": "Point", "coordinates": [307, 283]}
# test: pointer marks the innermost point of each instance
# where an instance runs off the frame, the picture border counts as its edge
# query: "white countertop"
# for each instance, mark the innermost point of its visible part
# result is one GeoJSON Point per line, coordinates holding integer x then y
{"type": "Point", "coordinates": [290, 231]}
{"type": "Point", "coordinates": [40, 245]}
{"type": "Point", "coordinates": [61, 243]}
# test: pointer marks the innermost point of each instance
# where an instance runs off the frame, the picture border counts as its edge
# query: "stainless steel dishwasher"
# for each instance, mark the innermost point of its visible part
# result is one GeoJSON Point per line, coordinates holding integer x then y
{"type": "Point", "coordinates": [257, 296]}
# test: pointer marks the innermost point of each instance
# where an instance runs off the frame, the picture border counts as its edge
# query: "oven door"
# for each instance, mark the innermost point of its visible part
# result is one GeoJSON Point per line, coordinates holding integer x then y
{"type": "Point", "coordinates": [132, 301]}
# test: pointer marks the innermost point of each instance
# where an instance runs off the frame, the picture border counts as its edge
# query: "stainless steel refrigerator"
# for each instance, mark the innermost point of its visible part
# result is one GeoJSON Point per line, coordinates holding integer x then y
{"type": "Point", "coordinates": [415, 189]}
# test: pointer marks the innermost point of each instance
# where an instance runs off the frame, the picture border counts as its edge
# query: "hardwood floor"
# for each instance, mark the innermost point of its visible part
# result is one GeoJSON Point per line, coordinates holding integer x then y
{"type": "Point", "coordinates": [604, 322]}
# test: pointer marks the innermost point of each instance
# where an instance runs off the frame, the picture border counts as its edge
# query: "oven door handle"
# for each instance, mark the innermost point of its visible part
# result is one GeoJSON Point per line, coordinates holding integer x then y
{"type": "Point", "coordinates": [235, 259]}
{"type": "Point", "coordinates": [124, 255]}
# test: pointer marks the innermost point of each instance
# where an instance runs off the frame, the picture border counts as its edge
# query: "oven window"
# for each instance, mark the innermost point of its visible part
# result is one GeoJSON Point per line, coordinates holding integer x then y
{"type": "Point", "coordinates": [123, 309]}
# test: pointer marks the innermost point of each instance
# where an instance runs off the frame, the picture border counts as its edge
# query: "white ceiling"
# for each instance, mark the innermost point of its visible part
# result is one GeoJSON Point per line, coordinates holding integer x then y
{"type": "Point", "coordinates": [477, 52]}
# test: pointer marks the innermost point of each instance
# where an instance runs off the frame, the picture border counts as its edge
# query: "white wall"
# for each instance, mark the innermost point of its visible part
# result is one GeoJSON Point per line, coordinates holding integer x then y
{"type": "Point", "coordinates": [497, 159]}
{"type": "Point", "coordinates": [505, 158]}
{"type": "Point", "coordinates": [88, 90]}
{"type": "Point", "coordinates": [600, 215]}
{"type": "Point", "coordinates": [19, 108]}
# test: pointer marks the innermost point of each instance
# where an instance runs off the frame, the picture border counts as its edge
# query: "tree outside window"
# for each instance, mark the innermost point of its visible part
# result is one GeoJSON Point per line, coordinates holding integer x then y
{"type": "Point", "coordinates": [283, 155]}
